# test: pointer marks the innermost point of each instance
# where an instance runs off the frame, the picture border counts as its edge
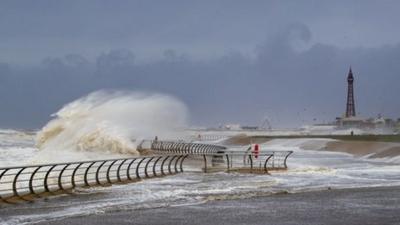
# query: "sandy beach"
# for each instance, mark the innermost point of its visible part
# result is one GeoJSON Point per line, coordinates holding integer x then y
{"type": "Point", "coordinates": [361, 148]}
{"type": "Point", "coordinates": [357, 147]}
{"type": "Point", "coordinates": [372, 149]}
{"type": "Point", "coordinates": [364, 206]}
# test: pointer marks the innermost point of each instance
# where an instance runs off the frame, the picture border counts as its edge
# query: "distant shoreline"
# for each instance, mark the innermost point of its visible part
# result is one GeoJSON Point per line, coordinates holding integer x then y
{"type": "Point", "coordinates": [246, 140]}
{"type": "Point", "coordinates": [372, 146]}
{"type": "Point", "coordinates": [362, 137]}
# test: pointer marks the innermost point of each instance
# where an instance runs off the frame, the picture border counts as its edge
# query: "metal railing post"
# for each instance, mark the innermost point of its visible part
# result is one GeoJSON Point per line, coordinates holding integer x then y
{"type": "Point", "coordinates": [181, 165]}
{"type": "Point", "coordinates": [137, 168]}
{"type": "Point", "coordinates": [286, 159]}
{"type": "Point", "coordinates": [227, 162]}
{"type": "Point", "coordinates": [1, 176]}
{"type": "Point", "coordinates": [154, 166]}
{"type": "Point", "coordinates": [169, 164]}
{"type": "Point", "coordinates": [14, 185]}
{"type": "Point", "coordinates": [205, 163]}
{"type": "Point", "coordinates": [108, 171]}
{"type": "Point", "coordinates": [31, 179]}
{"type": "Point", "coordinates": [265, 164]}
{"type": "Point", "coordinates": [46, 179]}
{"type": "Point", "coordinates": [86, 174]}
{"type": "Point", "coordinates": [98, 172]}
{"type": "Point", "coordinates": [60, 177]}
{"type": "Point", "coordinates": [128, 174]}
{"type": "Point", "coordinates": [162, 165]}
{"type": "Point", "coordinates": [176, 163]}
{"type": "Point", "coordinates": [147, 165]}
{"type": "Point", "coordinates": [251, 162]}
{"type": "Point", "coordinates": [119, 170]}
{"type": "Point", "coordinates": [73, 175]}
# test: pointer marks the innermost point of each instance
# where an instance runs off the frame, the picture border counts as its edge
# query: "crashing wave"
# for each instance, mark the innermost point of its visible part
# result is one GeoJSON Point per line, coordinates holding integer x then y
{"type": "Point", "coordinates": [112, 122]}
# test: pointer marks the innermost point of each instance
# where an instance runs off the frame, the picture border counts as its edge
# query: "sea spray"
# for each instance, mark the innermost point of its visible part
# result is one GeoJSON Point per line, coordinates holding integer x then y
{"type": "Point", "coordinates": [109, 123]}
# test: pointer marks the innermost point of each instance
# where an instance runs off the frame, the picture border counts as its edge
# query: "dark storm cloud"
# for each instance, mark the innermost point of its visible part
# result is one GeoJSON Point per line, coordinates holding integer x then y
{"type": "Point", "coordinates": [4, 70]}
{"type": "Point", "coordinates": [293, 73]}
{"type": "Point", "coordinates": [32, 30]}
{"type": "Point", "coordinates": [115, 60]}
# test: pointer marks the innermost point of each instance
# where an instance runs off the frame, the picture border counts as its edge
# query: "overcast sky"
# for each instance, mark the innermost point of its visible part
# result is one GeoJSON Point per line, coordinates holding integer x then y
{"type": "Point", "coordinates": [229, 61]}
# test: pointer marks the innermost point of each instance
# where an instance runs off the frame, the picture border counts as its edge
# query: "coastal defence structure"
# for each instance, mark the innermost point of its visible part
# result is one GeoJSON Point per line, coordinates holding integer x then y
{"type": "Point", "coordinates": [166, 158]}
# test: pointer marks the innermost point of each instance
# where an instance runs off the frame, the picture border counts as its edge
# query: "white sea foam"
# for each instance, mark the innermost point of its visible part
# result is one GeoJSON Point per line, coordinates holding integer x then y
{"type": "Point", "coordinates": [12, 138]}
{"type": "Point", "coordinates": [308, 170]}
{"type": "Point", "coordinates": [108, 123]}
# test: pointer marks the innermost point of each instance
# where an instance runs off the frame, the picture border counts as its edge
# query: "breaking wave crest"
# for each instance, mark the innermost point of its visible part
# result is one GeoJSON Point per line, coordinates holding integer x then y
{"type": "Point", "coordinates": [111, 122]}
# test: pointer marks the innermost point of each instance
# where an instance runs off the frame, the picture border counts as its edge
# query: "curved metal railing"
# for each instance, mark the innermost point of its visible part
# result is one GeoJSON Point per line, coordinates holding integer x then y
{"type": "Point", "coordinates": [209, 137]}
{"type": "Point", "coordinates": [28, 182]}
{"type": "Point", "coordinates": [186, 148]}
{"type": "Point", "coordinates": [277, 160]}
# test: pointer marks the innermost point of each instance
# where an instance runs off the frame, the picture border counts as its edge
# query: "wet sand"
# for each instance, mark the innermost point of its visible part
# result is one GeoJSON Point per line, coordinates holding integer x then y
{"type": "Point", "coordinates": [374, 149]}
{"type": "Point", "coordinates": [364, 206]}
{"type": "Point", "coordinates": [361, 148]}
{"type": "Point", "coordinates": [245, 140]}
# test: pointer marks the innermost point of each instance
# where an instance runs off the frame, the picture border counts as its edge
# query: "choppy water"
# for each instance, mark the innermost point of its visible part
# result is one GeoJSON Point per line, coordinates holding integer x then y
{"type": "Point", "coordinates": [308, 170]}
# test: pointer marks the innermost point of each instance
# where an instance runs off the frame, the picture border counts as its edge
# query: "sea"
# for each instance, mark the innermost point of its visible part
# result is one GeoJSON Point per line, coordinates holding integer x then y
{"type": "Point", "coordinates": [105, 125]}
{"type": "Point", "coordinates": [308, 170]}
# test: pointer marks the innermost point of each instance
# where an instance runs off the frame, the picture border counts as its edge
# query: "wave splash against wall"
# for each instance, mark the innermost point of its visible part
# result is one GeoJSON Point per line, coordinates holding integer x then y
{"type": "Point", "coordinates": [110, 122]}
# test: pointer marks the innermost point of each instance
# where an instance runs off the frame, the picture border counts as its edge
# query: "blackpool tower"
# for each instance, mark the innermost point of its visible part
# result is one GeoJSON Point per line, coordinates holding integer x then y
{"type": "Point", "coordinates": [350, 107]}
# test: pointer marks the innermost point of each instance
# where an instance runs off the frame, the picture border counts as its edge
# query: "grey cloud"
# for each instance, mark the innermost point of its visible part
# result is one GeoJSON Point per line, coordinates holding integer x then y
{"type": "Point", "coordinates": [120, 58]}
{"type": "Point", "coordinates": [4, 69]}
{"type": "Point", "coordinates": [291, 90]}
{"type": "Point", "coordinates": [36, 29]}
